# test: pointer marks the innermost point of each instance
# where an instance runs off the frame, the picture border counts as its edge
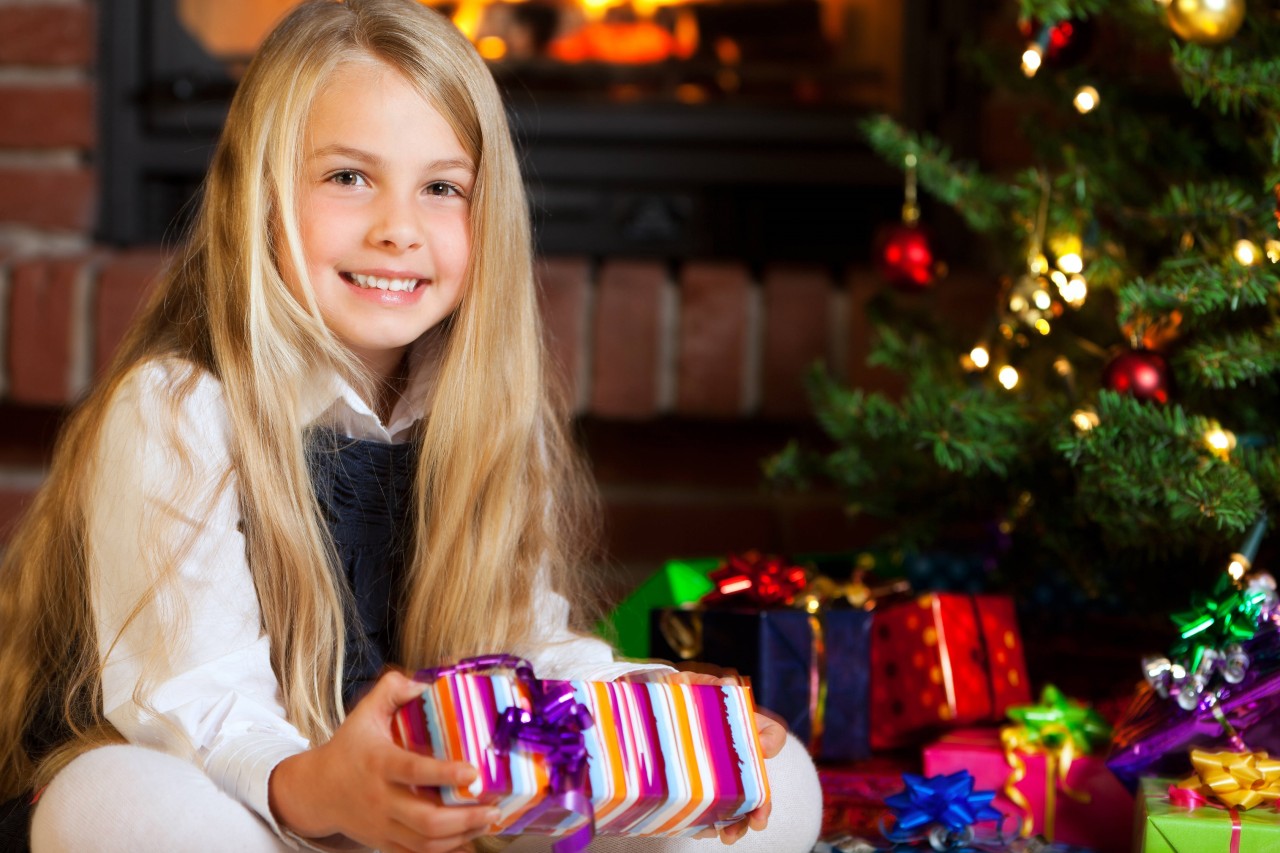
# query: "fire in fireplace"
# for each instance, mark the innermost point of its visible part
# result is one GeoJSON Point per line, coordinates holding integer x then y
{"type": "Point", "coordinates": [651, 128]}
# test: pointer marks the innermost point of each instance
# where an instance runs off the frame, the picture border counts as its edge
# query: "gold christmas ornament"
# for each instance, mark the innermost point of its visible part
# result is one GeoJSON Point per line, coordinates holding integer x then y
{"type": "Point", "coordinates": [1206, 21]}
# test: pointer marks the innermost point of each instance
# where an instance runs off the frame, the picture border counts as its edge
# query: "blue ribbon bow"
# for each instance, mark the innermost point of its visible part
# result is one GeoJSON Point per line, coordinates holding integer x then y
{"type": "Point", "coordinates": [940, 810]}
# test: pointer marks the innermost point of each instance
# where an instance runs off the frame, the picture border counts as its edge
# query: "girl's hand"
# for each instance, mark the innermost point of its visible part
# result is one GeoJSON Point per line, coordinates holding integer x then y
{"type": "Point", "coordinates": [358, 784]}
{"type": "Point", "coordinates": [773, 734]}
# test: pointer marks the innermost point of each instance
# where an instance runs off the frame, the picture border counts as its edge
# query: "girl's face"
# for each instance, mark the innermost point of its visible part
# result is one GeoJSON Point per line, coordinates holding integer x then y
{"type": "Point", "coordinates": [383, 211]}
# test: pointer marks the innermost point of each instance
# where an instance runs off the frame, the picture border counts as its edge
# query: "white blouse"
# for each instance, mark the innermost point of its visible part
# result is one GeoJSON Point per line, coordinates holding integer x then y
{"type": "Point", "coordinates": [191, 673]}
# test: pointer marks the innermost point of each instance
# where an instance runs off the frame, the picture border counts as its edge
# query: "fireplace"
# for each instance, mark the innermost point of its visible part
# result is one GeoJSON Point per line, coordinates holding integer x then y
{"type": "Point", "coordinates": [713, 129]}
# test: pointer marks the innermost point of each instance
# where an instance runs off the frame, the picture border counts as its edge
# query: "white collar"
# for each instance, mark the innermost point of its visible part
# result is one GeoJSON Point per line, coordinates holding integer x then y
{"type": "Point", "coordinates": [328, 399]}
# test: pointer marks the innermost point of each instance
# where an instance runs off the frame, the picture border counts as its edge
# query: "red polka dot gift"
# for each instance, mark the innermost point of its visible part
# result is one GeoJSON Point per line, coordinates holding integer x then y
{"type": "Point", "coordinates": [941, 661]}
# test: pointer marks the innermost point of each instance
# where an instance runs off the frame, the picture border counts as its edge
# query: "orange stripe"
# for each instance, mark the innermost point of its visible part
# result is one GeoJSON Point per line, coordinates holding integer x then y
{"type": "Point", "coordinates": [684, 729]}
{"type": "Point", "coordinates": [612, 748]}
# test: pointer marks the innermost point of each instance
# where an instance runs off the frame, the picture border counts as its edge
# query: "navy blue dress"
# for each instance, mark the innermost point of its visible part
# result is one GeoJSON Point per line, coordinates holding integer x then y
{"type": "Point", "coordinates": [365, 492]}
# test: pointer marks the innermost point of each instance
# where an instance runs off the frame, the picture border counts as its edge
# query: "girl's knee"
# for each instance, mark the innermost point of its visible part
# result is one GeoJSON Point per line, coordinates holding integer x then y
{"type": "Point", "coordinates": [131, 798]}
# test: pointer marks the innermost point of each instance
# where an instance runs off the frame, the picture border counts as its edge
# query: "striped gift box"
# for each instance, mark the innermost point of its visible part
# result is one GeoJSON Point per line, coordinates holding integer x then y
{"type": "Point", "coordinates": [663, 759]}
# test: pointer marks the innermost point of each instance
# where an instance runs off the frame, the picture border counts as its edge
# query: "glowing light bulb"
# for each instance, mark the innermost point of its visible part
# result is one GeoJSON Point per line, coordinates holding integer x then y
{"type": "Point", "coordinates": [1085, 419]}
{"type": "Point", "coordinates": [1039, 265]}
{"type": "Point", "coordinates": [1042, 299]}
{"type": "Point", "coordinates": [1032, 57]}
{"type": "Point", "coordinates": [1071, 263]}
{"type": "Point", "coordinates": [1017, 304]}
{"type": "Point", "coordinates": [1008, 377]}
{"type": "Point", "coordinates": [1042, 326]}
{"type": "Point", "coordinates": [1220, 441]}
{"type": "Point", "coordinates": [1273, 251]}
{"type": "Point", "coordinates": [1236, 570]}
{"type": "Point", "coordinates": [980, 357]}
{"type": "Point", "coordinates": [1074, 291]}
{"type": "Point", "coordinates": [1246, 252]}
{"type": "Point", "coordinates": [1086, 99]}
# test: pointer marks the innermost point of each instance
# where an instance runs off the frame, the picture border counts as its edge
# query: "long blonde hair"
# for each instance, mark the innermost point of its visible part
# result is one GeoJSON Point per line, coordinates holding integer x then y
{"type": "Point", "coordinates": [502, 494]}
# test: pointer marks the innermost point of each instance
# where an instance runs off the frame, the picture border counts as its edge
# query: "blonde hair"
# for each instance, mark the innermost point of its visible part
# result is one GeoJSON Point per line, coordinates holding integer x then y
{"type": "Point", "coordinates": [501, 493]}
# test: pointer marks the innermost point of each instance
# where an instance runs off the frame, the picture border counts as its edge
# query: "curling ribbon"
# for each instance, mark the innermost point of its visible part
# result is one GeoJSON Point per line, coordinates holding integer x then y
{"type": "Point", "coordinates": [1190, 799]}
{"type": "Point", "coordinates": [1060, 729]}
{"type": "Point", "coordinates": [552, 726]}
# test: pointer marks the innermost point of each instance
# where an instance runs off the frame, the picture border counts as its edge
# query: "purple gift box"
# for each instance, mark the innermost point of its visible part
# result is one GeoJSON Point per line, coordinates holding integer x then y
{"type": "Point", "coordinates": [1155, 735]}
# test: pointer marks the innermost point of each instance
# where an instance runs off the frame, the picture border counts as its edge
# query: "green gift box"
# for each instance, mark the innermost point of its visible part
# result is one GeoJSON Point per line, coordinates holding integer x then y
{"type": "Point", "coordinates": [1166, 828]}
{"type": "Point", "coordinates": [677, 582]}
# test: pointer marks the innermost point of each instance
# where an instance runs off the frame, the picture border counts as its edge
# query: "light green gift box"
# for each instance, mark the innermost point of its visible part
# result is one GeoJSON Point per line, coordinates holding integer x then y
{"type": "Point", "coordinates": [677, 582]}
{"type": "Point", "coordinates": [1166, 828]}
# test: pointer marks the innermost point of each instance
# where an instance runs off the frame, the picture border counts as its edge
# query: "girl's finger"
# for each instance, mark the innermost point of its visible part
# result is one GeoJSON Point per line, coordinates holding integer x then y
{"type": "Point", "coordinates": [434, 821]}
{"type": "Point", "coordinates": [410, 768]}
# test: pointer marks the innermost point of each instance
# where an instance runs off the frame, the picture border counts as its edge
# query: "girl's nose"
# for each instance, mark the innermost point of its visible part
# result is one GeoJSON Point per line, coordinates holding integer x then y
{"type": "Point", "coordinates": [398, 225]}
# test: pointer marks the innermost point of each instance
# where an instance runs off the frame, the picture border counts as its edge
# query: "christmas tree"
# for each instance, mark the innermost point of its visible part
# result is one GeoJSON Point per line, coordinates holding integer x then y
{"type": "Point", "coordinates": [1117, 424]}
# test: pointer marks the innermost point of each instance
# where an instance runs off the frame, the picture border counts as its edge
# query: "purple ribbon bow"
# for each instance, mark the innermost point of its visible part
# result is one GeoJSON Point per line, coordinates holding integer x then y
{"type": "Point", "coordinates": [552, 726]}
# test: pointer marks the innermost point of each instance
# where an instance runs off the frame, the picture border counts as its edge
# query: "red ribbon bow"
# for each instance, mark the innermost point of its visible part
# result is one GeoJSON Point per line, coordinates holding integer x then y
{"type": "Point", "coordinates": [755, 580]}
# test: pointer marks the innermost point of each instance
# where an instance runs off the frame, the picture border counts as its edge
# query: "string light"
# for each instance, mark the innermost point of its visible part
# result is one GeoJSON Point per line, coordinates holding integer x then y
{"type": "Point", "coordinates": [1220, 441]}
{"type": "Point", "coordinates": [1086, 99]}
{"type": "Point", "coordinates": [1039, 265]}
{"type": "Point", "coordinates": [1071, 263]}
{"type": "Point", "coordinates": [1074, 291]}
{"type": "Point", "coordinates": [1236, 570]}
{"type": "Point", "coordinates": [1273, 251]}
{"type": "Point", "coordinates": [1042, 326]}
{"type": "Point", "coordinates": [980, 357]}
{"type": "Point", "coordinates": [1008, 377]}
{"type": "Point", "coordinates": [1085, 419]}
{"type": "Point", "coordinates": [1032, 58]}
{"type": "Point", "coordinates": [1042, 299]}
{"type": "Point", "coordinates": [1246, 252]}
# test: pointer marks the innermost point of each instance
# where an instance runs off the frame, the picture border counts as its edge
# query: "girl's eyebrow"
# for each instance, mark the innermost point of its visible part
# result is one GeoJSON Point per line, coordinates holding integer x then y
{"type": "Point", "coordinates": [361, 156]}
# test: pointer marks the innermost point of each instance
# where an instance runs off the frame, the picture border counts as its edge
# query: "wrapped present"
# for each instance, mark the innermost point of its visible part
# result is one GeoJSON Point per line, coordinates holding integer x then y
{"type": "Point", "coordinates": [1227, 804]}
{"type": "Point", "coordinates": [678, 582]}
{"type": "Point", "coordinates": [943, 660]}
{"type": "Point", "coordinates": [1046, 781]}
{"type": "Point", "coordinates": [573, 758]}
{"type": "Point", "coordinates": [809, 667]}
{"type": "Point", "coordinates": [1226, 696]}
{"type": "Point", "coordinates": [853, 795]}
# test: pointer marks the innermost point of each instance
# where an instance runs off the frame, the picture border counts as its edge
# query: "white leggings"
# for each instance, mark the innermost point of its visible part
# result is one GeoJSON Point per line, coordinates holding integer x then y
{"type": "Point", "coordinates": [132, 800]}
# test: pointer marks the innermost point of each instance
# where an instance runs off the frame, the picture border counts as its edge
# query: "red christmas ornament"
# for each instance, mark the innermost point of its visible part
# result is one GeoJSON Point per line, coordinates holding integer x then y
{"type": "Point", "coordinates": [1065, 43]}
{"type": "Point", "coordinates": [1143, 373]}
{"type": "Point", "coordinates": [906, 258]}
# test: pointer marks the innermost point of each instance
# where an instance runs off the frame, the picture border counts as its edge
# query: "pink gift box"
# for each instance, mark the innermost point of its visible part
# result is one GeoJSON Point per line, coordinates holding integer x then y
{"type": "Point", "coordinates": [1101, 819]}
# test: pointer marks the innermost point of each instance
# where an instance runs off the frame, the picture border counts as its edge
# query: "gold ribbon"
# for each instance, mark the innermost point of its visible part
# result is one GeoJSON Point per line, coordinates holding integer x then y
{"type": "Point", "coordinates": [682, 629]}
{"type": "Point", "coordinates": [1239, 779]}
{"type": "Point", "coordinates": [1019, 740]}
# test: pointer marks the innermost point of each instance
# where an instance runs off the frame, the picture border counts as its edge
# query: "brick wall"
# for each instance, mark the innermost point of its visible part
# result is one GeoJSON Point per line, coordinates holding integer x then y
{"type": "Point", "coordinates": [684, 376]}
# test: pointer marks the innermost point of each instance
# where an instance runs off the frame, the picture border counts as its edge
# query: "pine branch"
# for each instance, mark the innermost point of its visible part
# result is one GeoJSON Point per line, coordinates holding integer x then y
{"type": "Point", "coordinates": [980, 201]}
{"type": "Point", "coordinates": [1197, 287]}
{"type": "Point", "coordinates": [1232, 359]}
{"type": "Point", "coordinates": [1234, 87]}
{"type": "Point", "coordinates": [1146, 477]}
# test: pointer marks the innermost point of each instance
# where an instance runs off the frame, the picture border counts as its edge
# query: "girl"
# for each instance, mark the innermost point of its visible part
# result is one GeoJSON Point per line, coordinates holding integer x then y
{"type": "Point", "coordinates": [325, 446]}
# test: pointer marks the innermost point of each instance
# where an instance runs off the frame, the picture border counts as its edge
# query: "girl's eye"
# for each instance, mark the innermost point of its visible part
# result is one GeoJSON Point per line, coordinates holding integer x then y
{"type": "Point", "coordinates": [348, 178]}
{"type": "Point", "coordinates": [443, 188]}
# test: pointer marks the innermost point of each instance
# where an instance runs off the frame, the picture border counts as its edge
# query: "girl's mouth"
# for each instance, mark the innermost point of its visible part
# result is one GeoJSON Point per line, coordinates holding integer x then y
{"type": "Point", "coordinates": [369, 282]}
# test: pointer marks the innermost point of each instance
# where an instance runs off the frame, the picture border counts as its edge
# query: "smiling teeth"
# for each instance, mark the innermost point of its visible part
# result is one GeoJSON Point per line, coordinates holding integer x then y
{"type": "Point", "coordinates": [392, 284]}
